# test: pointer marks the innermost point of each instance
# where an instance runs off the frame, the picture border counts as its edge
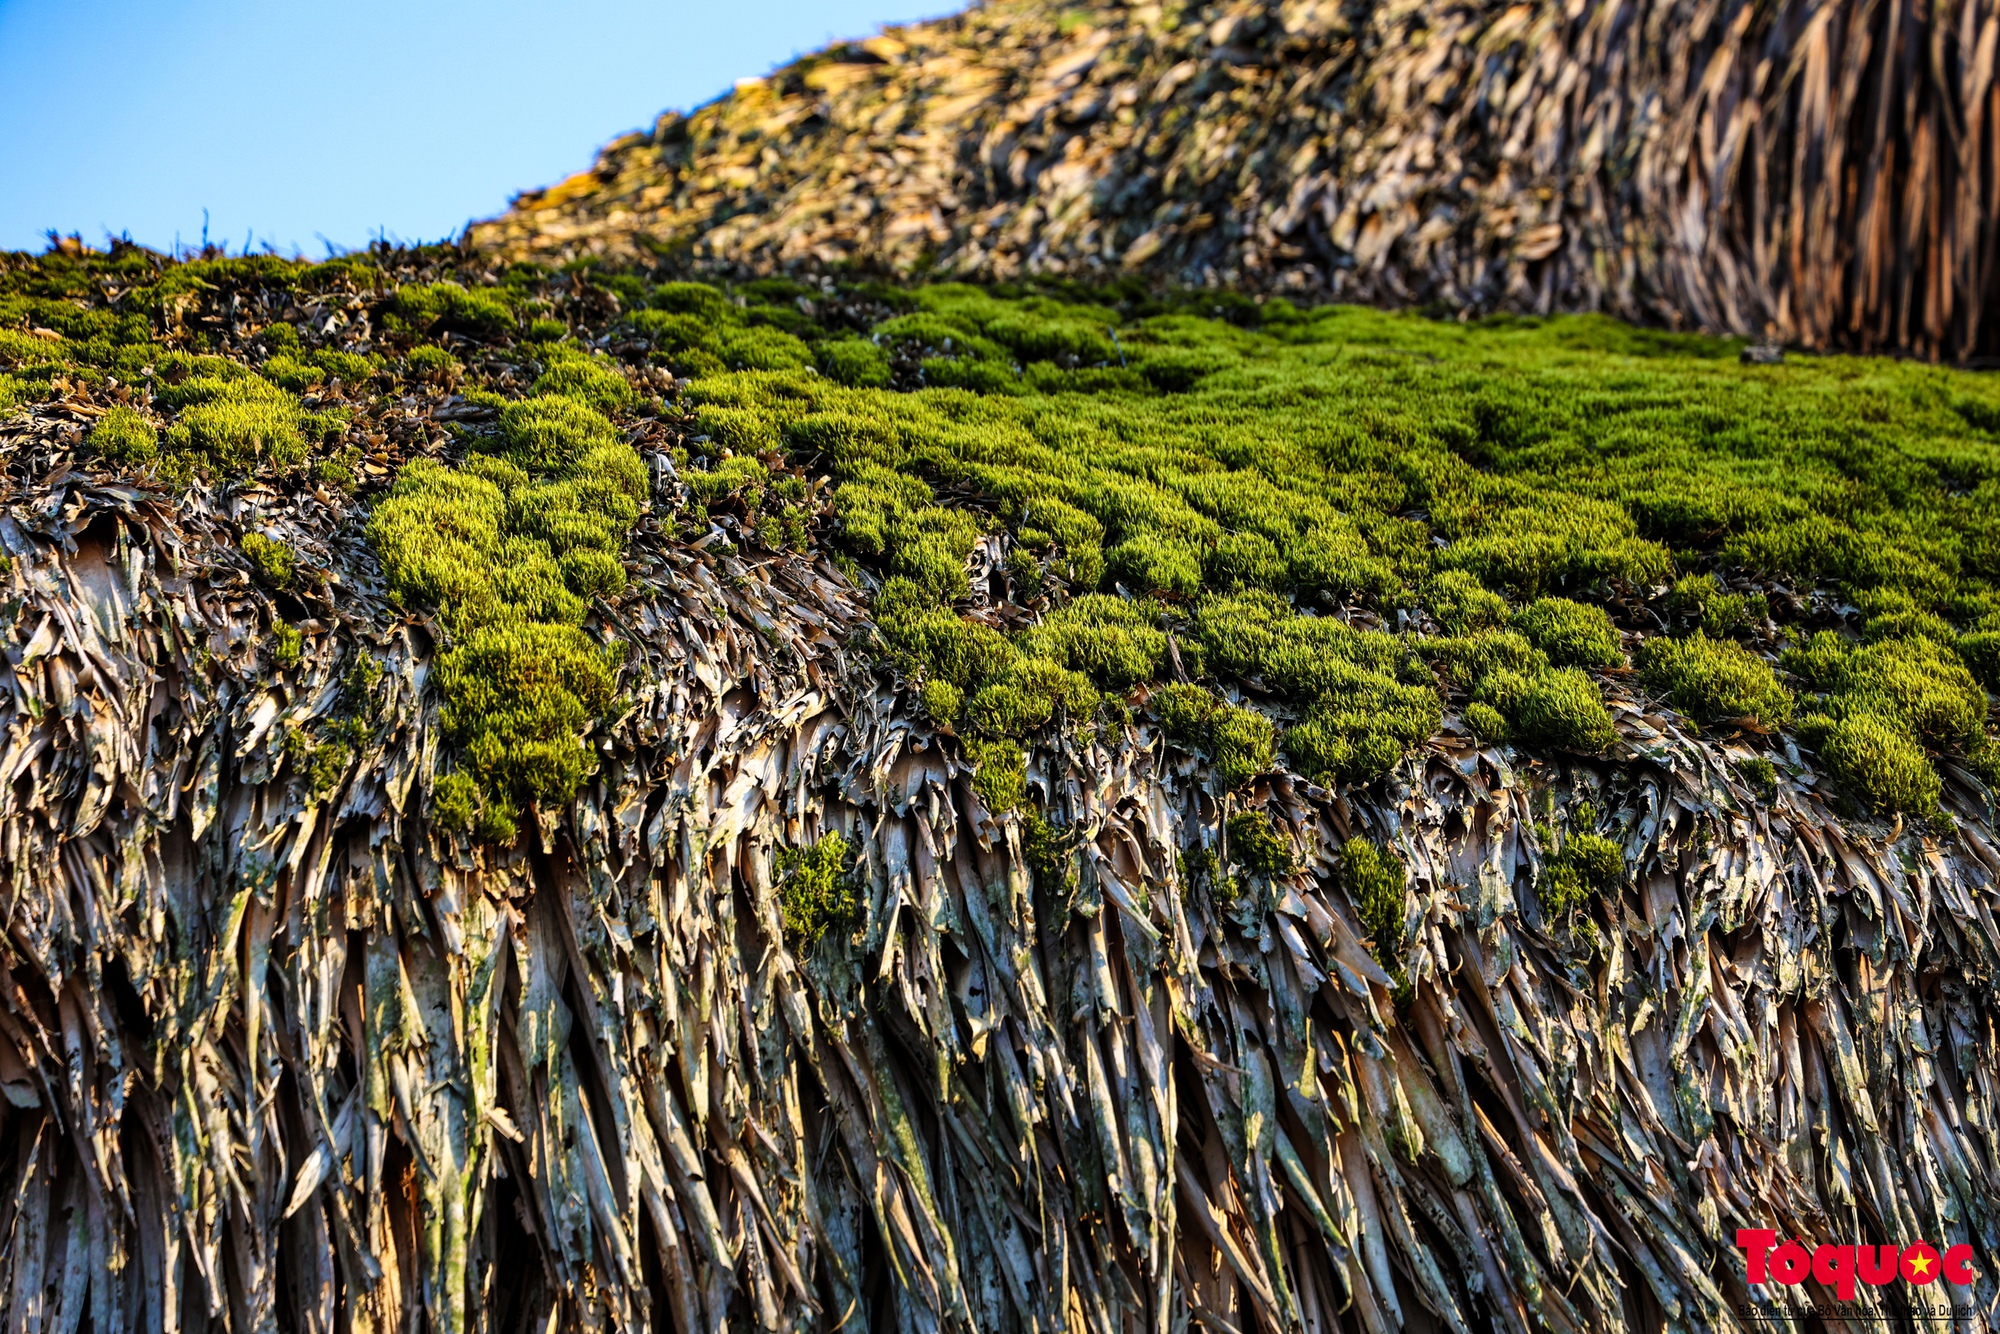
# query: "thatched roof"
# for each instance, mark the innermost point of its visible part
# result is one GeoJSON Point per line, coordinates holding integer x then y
{"type": "Point", "coordinates": [776, 1020]}
{"type": "Point", "coordinates": [1815, 173]}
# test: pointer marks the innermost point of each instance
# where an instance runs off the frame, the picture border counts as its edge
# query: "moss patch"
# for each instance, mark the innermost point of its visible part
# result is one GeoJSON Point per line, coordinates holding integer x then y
{"type": "Point", "coordinates": [1241, 742]}
{"type": "Point", "coordinates": [1378, 888]}
{"type": "Point", "coordinates": [234, 425]}
{"type": "Point", "coordinates": [1257, 847]}
{"type": "Point", "coordinates": [274, 561]}
{"type": "Point", "coordinates": [1700, 600]}
{"type": "Point", "coordinates": [1340, 519]}
{"type": "Point", "coordinates": [1881, 710]}
{"type": "Point", "coordinates": [1880, 762]}
{"type": "Point", "coordinates": [288, 644]}
{"type": "Point", "coordinates": [1556, 707]}
{"type": "Point", "coordinates": [1715, 680]}
{"type": "Point", "coordinates": [1570, 633]}
{"type": "Point", "coordinates": [123, 436]}
{"type": "Point", "coordinates": [816, 890]}
{"type": "Point", "coordinates": [1586, 864]}
{"type": "Point", "coordinates": [510, 548]}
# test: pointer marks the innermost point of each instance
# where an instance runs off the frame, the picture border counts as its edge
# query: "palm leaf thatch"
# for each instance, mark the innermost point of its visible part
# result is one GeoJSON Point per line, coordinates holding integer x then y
{"type": "Point", "coordinates": [278, 1058]}
{"type": "Point", "coordinates": [280, 1049]}
{"type": "Point", "coordinates": [1818, 173]}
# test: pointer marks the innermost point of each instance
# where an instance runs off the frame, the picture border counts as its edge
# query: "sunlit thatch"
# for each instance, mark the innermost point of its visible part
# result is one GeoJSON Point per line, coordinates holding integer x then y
{"type": "Point", "coordinates": [1818, 173]}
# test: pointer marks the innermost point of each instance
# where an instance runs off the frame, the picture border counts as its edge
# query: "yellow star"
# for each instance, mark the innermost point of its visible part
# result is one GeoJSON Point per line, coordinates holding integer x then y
{"type": "Point", "coordinates": [1922, 1264]}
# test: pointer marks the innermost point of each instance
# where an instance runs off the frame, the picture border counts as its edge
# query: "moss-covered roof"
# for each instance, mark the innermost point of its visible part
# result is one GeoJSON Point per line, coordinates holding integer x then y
{"type": "Point", "coordinates": [548, 738]}
{"type": "Point", "coordinates": [1353, 529]}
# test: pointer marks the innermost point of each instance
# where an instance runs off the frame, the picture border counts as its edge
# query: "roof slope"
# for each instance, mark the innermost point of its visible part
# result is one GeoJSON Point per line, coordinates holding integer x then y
{"type": "Point", "coordinates": [557, 800]}
{"type": "Point", "coordinates": [1792, 170]}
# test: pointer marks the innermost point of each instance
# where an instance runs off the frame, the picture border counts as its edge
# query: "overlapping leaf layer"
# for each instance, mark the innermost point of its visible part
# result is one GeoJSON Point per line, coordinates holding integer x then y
{"type": "Point", "coordinates": [1817, 171]}
{"type": "Point", "coordinates": [572, 799]}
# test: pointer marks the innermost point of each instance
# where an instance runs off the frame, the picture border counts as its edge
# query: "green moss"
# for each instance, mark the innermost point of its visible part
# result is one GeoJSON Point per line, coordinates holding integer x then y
{"type": "Point", "coordinates": [1760, 774]}
{"type": "Point", "coordinates": [1470, 659]}
{"type": "Point", "coordinates": [1557, 707]}
{"type": "Point", "coordinates": [1241, 742]}
{"type": "Point", "coordinates": [431, 362]}
{"type": "Point", "coordinates": [288, 372]}
{"type": "Point", "coordinates": [1257, 847]}
{"type": "Point", "coordinates": [729, 479]}
{"type": "Point", "coordinates": [357, 685]}
{"type": "Point", "coordinates": [1363, 698]}
{"type": "Point", "coordinates": [738, 429]}
{"type": "Point", "coordinates": [1030, 695]}
{"type": "Point", "coordinates": [427, 307]}
{"type": "Point", "coordinates": [937, 645]}
{"type": "Point", "coordinates": [236, 425]}
{"type": "Point", "coordinates": [1714, 681]}
{"type": "Point", "coordinates": [761, 349]}
{"type": "Point", "coordinates": [1883, 708]}
{"type": "Point", "coordinates": [517, 699]}
{"type": "Point", "coordinates": [354, 368]}
{"type": "Point", "coordinates": [123, 436]}
{"type": "Point", "coordinates": [1699, 600]}
{"type": "Point", "coordinates": [1000, 774]}
{"type": "Point", "coordinates": [817, 892]}
{"type": "Point", "coordinates": [274, 561]}
{"type": "Point", "coordinates": [670, 333]}
{"type": "Point", "coordinates": [1918, 684]}
{"type": "Point", "coordinates": [923, 545]}
{"type": "Point", "coordinates": [1487, 723]}
{"type": "Point", "coordinates": [555, 433]}
{"type": "Point", "coordinates": [854, 362]}
{"type": "Point", "coordinates": [1570, 633]}
{"type": "Point", "coordinates": [1245, 746]}
{"type": "Point", "coordinates": [1378, 889]}
{"type": "Point", "coordinates": [1152, 562]}
{"type": "Point", "coordinates": [1461, 605]}
{"type": "Point", "coordinates": [1528, 548]}
{"type": "Point", "coordinates": [1980, 651]}
{"type": "Point", "coordinates": [328, 763]}
{"type": "Point", "coordinates": [287, 644]}
{"type": "Point", "coordinates": [1025, 574]}
{"type": "Point", "coordinates": [455, 802]}
{"type": "Point", "coordinates": [1050, 854]}
{"type": "Point", "coordinates": [696, 299]}
{"type": "Point", "coordinates": [942, 701]}
{"type": "Point", "coordinates": [1881, 763]}
{"type": "Point", "coordinates": [510, 549]}
{"type": "Point", "coordinates": [592, 380]}
{"type": "Point", "coordinates": [24, 350]}
{"type": "Point", "coordinates": [438, 533]}
{"type": "Point", "coordinates": [1192, 482]}
{"type": "Point", "coordinates": [1585, 864]}
{"type": "Point", "coordinates": [1185, 713]}
{"type": "Point", "coordinates": [1821, 662]}
{"type": "Point", "coordinates": [1116, 643]}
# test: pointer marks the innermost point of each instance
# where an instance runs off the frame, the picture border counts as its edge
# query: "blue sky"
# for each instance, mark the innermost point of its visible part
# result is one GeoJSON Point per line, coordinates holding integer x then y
{"type": "Point", "coordinates": [345, 119]}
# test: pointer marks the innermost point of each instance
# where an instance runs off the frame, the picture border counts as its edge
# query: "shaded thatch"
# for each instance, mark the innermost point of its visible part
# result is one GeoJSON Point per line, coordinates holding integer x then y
{"type": "Point", "coordinates": [1817, 173]}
